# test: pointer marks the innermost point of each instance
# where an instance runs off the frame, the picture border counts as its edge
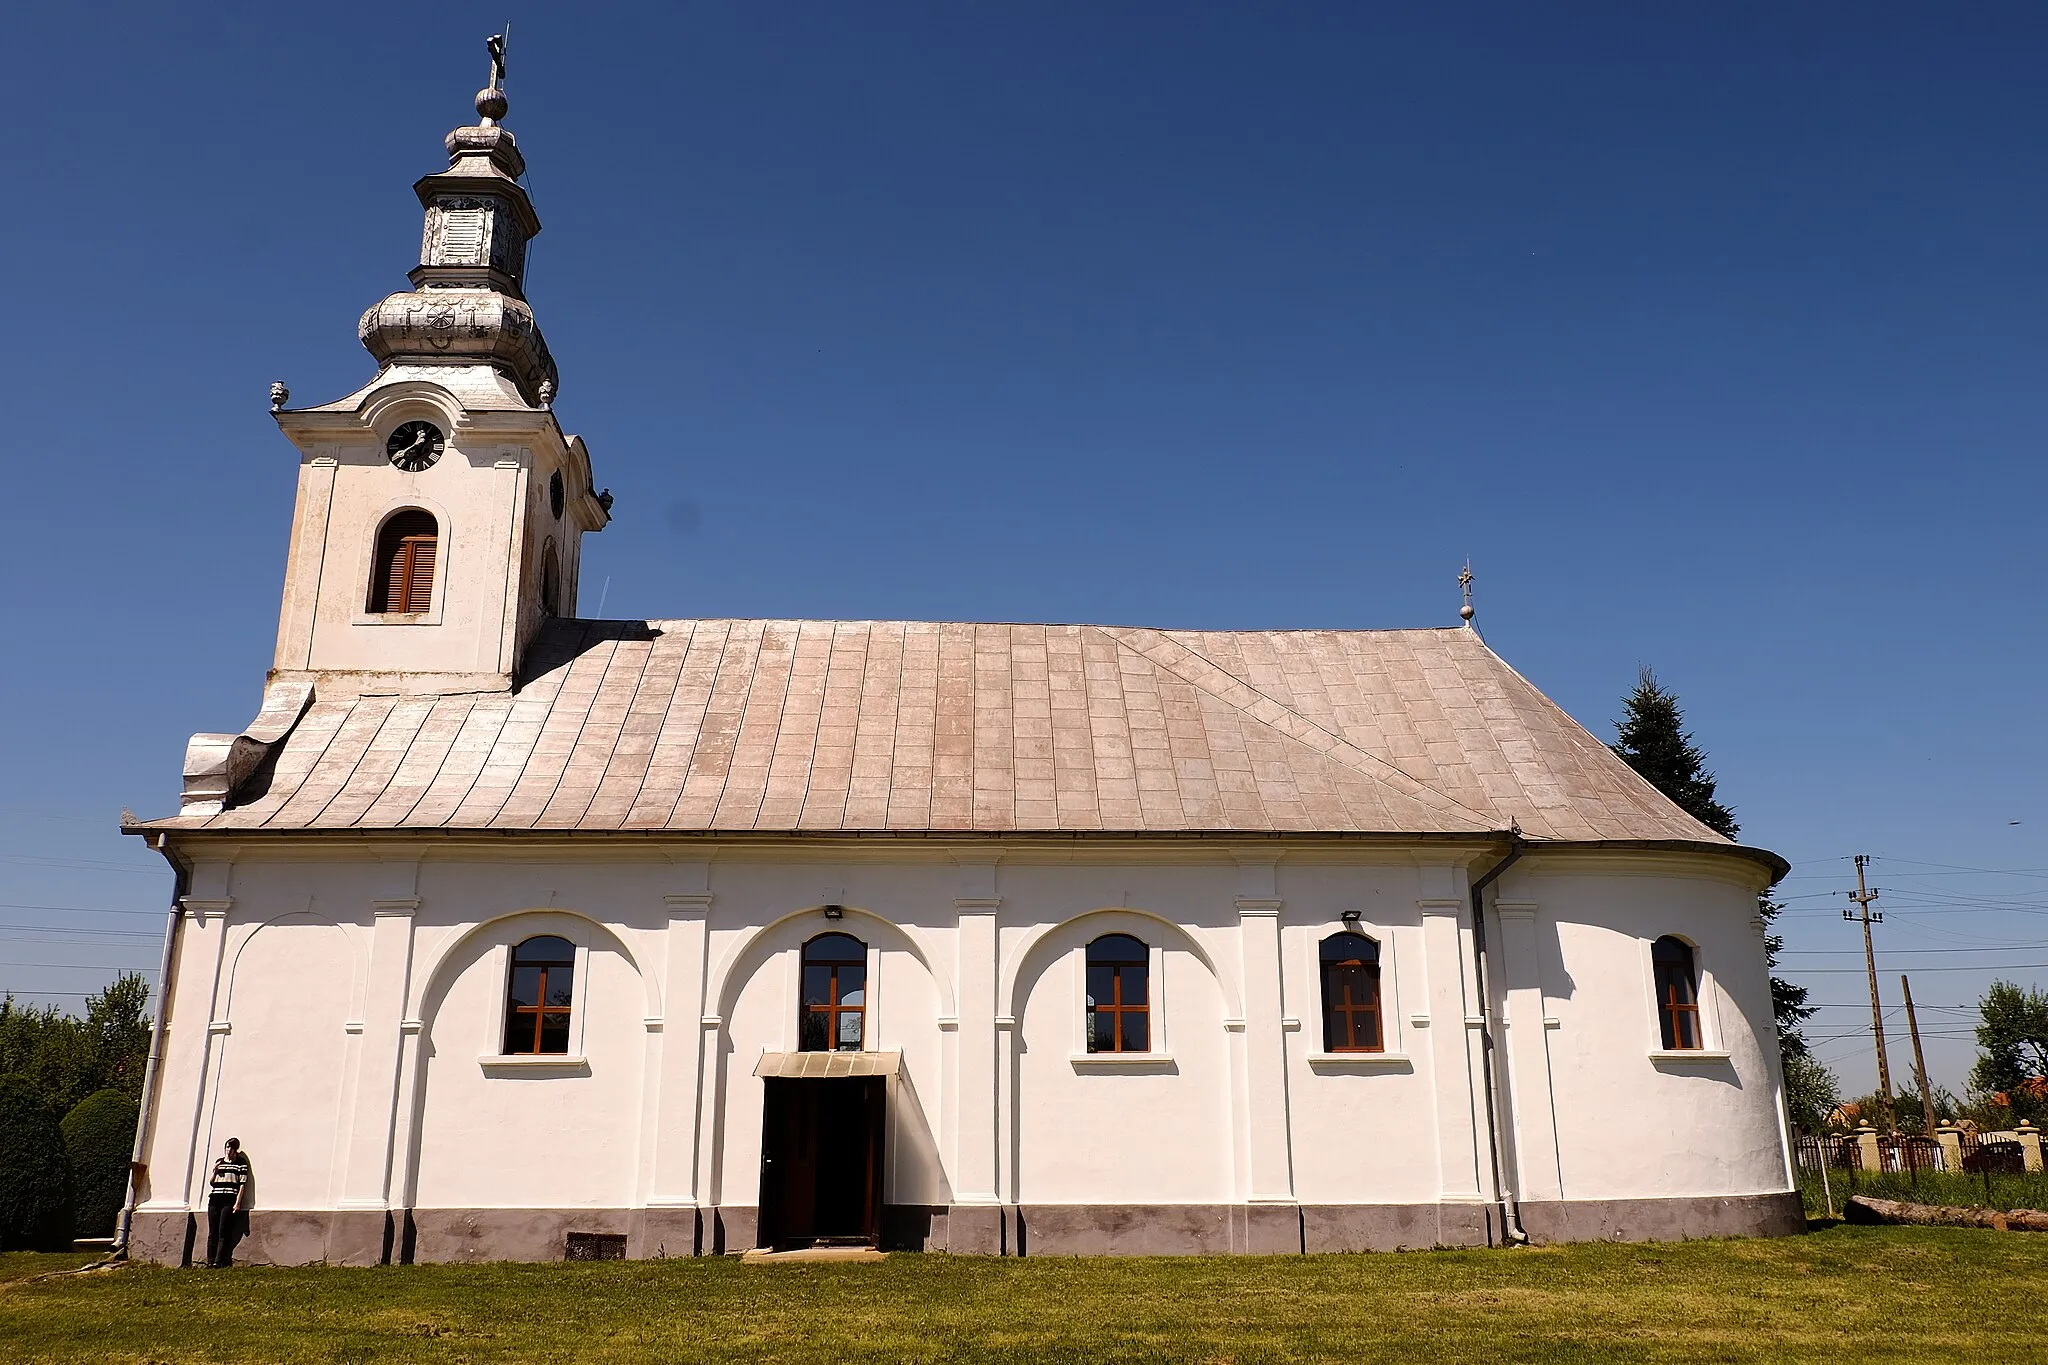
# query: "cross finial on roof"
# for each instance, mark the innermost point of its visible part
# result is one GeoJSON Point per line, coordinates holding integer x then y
{"type": "Point", "coordinates": [490, 101]}
{"type": "Point", "coordinates": [1465, 581]}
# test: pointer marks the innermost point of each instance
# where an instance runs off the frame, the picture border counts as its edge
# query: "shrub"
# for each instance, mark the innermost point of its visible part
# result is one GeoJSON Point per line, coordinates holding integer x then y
{"type": "Point", "coordinates": [35, 1175]}
{"type": "Point", "coordinates": [99, 1137]}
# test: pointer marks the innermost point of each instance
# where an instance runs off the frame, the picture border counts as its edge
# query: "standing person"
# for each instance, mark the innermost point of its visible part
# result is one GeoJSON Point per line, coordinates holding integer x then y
{"type": "Point", "coordinates": [227, 1196]}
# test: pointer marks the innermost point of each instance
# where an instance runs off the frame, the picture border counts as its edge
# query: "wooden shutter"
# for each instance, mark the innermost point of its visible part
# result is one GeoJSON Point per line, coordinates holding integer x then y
{"type": "Point", "coordinates": [405, 564]}
{"type": "Point", "coordinates": [417, 555]}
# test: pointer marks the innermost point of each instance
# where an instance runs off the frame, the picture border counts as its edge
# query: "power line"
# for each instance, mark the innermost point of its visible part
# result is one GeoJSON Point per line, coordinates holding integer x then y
{"type": "Point", "coordinates": [69, 931]}
{"type": "Point", "coordinates": [92, 864]}
{"type": "Point", "coordinates": [1894, 952]}
{"type": "Point", "coordinates": [77, 909]}
{"type": "Point", "coordinates": [81, 967]}
{"type": "Point", "coordinates": [1971, 967]}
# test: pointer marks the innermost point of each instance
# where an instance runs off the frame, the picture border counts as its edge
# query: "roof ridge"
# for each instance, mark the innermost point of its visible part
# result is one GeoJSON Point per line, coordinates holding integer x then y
{"type": "Point", "coordinates": [1357, 759]}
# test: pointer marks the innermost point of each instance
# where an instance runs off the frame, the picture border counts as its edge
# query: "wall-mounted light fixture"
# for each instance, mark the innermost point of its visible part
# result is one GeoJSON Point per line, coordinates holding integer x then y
{"type": "Point", "coordinates": [835, 912]}
{"type": "Point", "coordinates": [1351, 918]}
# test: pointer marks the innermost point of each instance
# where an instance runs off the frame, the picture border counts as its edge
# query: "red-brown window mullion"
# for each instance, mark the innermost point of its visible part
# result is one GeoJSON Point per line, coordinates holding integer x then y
{"type": "Point", "coordinates": [1350, 1010]}
{"type": "Point", "coordinates": [1118, 1009]}
{"type": "Point", "coordinates": [540, 1009]}
{"type": "Point", "coordinates": [832, 1009]}
{"type": "Point", "coordinates": [1678, 1007]}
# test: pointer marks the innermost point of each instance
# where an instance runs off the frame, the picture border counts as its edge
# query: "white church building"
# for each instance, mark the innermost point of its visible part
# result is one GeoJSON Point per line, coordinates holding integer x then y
{"type": "Point", "coordinates": [505, 934]}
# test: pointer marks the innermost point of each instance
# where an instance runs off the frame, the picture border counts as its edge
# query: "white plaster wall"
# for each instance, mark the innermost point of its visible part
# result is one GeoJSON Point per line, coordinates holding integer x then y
{"type": "Point", "coordinates": [1356, 1138]}
{"type": "Point", "coordinates": [290, 984]}
{"type": "Point", "coordinates": [1627, 1126]}
{"type": "Point", "coordinates": [513, 1137]}
{"type": "Point", "coordinates": [1096, 1132]}
{"type": "Point", "coordinates": [1630, 1126]}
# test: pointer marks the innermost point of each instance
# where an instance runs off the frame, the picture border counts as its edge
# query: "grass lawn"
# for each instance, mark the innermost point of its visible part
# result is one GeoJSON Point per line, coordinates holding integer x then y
{"type": "Point", "coordinates": [1868, 1294]}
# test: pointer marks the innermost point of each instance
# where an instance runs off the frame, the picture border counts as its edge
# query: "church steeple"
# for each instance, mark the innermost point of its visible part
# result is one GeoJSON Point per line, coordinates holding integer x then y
{"type": "Point", "coordinates": [468, 304]}
{"type": "Point", "coordinates": [441, 507]}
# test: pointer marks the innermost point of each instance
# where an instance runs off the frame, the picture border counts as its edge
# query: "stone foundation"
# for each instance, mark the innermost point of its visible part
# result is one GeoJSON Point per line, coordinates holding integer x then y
{"type": "Point", "coordinates": [1664, 1220]}
{"type": "Point", "coordinates": [372, 1237]}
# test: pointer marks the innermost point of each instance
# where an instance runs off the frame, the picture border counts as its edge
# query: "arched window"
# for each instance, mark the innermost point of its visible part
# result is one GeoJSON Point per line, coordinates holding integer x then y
{"type": "Point", "coordinates": [1119, 998]}
{"type": "Point", "coordinates": [1678, 996]}
{"type": "Point", "coordinates": [537, 995]}
{"type": "Point", "coordinates": [832, 1016]}
{"type": "Point", "coordinates": [550, 579]}
{"type": "Point", "coordinates": [404, 577]}
{"type": "Point", "coordinates": [1351, 994]}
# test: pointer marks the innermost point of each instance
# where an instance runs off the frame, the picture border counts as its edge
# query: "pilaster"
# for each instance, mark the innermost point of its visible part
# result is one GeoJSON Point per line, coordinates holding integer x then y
{"type": "Point", "coordinates": [366, 1178]}
{"type": "Point", "coordinates": [974, 1099]}
{"type": "Point", "coordinates": [1453, 1042]}
{"type": "Point", "coordinates": [194, 1043]}
{"type": "Point", "coordinates": [1269, 1167]}
{"type": "Point", "coordinates": [677, 1103]}
{"type": "Point", "coordinates": [1527, 1052]}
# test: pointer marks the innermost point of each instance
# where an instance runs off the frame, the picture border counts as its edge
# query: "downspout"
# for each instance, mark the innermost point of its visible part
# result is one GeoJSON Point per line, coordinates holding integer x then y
{"type": "Point", "coordinates": [1510, 1211]}
{"type": "Point", "coordinates": [181, 884]}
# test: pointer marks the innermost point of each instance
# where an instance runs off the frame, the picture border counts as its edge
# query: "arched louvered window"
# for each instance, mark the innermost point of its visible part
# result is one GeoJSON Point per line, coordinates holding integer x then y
{"type": "Point", "coordinates": [832, 1015]}
{"type": "Point", "coordinates": [1119, 995]}
{"type": "Point", "coordinates": [404, 578]}
{"type": "Point", "coordinates": [550, 579]}
{"type": "Point", "coordinates": [537, 997]}
{"type": "Point", "coordinates": [1351, 994]}
{"type": "Point", "coordinates": [1678, 997]}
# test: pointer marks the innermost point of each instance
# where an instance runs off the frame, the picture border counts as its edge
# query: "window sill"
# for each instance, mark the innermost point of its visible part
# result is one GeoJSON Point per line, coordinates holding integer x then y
{"type": "Point", "coordinates": [1151, 1061]}
{"type": "Point", "coordinates": [1362, 1061]}
{"type": "Point", "coordinates": [429, 617]}
{"type": "Point", "coordinates": [1689, 1054]}
{"type": "Point", "coordinates": [558, 1062]}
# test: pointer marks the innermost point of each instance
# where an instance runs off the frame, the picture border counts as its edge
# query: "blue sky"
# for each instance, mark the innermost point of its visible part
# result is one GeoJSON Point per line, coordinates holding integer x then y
{"type": "Point", "coordinates": [1711, 335]}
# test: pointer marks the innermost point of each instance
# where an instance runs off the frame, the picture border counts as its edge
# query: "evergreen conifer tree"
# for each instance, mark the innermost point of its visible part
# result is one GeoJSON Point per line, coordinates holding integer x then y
{"type": "Point", "coordinates": [1651, 738]}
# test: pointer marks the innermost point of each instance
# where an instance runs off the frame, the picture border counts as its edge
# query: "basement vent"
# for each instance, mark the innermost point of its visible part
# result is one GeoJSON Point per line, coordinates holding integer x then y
{"type": "Point", "coordinates": [596, 1246]}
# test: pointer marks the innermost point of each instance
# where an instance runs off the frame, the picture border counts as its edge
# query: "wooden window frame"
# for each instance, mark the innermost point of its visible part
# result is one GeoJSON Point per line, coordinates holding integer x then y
{"type": "Point", "coordinates": [405, 564]}
{"type": "Point", "coordinates": [1350, 1011]}
{"type": "Point", "coordinates": [541, 1010]}
{"type": "Point", "coordinates": [1115, 1007]}
{"type": "Point", "coordinates": [832, 1010]}
{"type": "Point", "coordinates": [550, 579]}
{"type": "Point", "coordinates": [1675, 1005]}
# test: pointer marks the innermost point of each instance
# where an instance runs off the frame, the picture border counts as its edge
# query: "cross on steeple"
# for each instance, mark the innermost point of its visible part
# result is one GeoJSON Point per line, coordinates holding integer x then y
{"type": "Point", "coordinates": [490, 101]}
{"type": "Point", "coordinates": [1465, 582]}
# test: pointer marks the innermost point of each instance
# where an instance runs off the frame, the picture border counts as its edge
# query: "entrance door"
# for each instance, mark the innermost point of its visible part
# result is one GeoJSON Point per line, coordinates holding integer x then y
{"type": "Point", "coordinates": [821, 1161]}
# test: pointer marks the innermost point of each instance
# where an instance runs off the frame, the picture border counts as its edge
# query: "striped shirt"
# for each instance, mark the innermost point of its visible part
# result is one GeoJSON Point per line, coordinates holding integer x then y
{"type": "Point", "coordinates": [230, 1174]}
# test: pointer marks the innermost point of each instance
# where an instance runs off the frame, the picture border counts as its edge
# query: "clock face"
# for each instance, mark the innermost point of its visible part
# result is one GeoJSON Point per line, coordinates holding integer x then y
{"type": "Point", "coordinates": [415, 446]}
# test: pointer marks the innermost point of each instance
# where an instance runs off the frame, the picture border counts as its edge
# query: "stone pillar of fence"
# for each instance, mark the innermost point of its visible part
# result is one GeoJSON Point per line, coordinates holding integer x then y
{"type": "Point", "coordinates": [1867, 1155]}
{"type": "Point", "coordinates": [2030, 1144]}
{"type": "Point", "coordinates": [1951, 1139]}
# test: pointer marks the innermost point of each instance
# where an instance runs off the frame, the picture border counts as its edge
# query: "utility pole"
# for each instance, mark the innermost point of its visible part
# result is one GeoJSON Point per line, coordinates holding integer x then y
{"type": "Point", "coordinates": [1919, 1058]}
{"type": "Point", "coordinates": [1863, 896]}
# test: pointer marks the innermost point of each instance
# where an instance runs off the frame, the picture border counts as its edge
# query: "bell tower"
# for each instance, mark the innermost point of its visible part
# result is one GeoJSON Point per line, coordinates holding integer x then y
{"type": "Point", "coordinates": [441, 508]}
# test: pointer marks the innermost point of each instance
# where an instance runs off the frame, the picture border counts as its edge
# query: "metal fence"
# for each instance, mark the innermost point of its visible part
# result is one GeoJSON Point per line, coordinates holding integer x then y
{"type": "Point", "coordinates": [1910, 1154]}
{"type": "Point", "coordinates": [1836, 1166]}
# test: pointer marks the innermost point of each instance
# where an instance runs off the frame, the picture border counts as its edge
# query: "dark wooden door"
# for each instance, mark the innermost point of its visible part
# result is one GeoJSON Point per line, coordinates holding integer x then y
{"type": "Point", "coordinates": [821, 1160]}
